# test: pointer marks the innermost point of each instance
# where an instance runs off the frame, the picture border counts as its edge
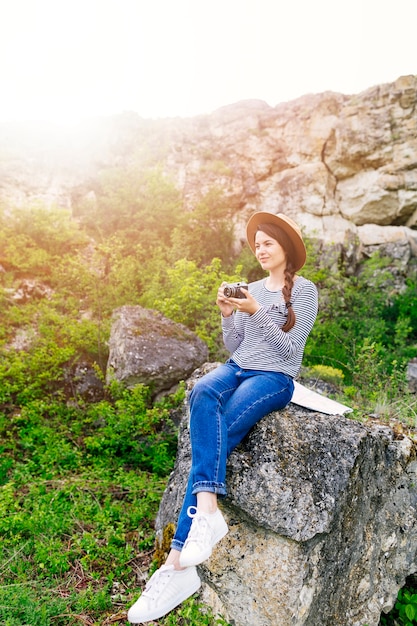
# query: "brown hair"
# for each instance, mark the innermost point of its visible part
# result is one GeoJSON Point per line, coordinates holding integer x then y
{"type": "Point", "coordinates": [285, 242]}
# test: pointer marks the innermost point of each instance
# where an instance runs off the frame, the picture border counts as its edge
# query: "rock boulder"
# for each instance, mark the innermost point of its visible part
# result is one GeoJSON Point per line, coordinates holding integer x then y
{"type": "Point", "coordinates": [412, 375]}
{"type": "Point", "coordinates": [146, 347]}
{"type": "Point", "coordinates": [322, 517]}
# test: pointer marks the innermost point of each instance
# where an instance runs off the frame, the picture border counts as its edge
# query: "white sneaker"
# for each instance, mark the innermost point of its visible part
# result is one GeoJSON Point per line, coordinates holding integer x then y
{"type": "Point", "coordinates": [165, 590]}
{"type": "Point", "coordinates": [206, 530]}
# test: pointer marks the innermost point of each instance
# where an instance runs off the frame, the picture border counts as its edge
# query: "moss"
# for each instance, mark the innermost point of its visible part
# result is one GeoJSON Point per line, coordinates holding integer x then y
{"type": "Point", "coordinates": [163, 547]}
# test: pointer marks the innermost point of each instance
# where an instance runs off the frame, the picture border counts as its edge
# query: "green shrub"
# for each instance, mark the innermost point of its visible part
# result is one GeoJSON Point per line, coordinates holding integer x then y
{"type": "Point", "coordinates": [131, 430]}
{"type": "Point", "coordinates": [80, 489]}
{"type": "Point", "coordinates": [80, 484]}
{"type": "Point", "coordinates": [189, 297]}
{"type": "Point", "coordinates": [404, 612]}
{"type": "Point", "coordinates": [325, 372]}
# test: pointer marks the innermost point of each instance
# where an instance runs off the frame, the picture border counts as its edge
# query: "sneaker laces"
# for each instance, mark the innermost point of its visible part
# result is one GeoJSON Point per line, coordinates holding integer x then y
{"type": "Point", "coordinates": [158, 581]}
{"type": "Point", "coordinates": [200, 530]}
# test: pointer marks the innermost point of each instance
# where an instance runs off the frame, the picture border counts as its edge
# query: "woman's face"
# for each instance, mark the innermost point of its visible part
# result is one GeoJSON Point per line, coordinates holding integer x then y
{"type": "Point", "coordinates": [269, 252]}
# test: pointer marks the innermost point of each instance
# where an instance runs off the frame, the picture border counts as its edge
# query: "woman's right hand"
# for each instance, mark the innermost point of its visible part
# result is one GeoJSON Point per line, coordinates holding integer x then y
{"type": "Point", "coordinates": [223, 303]}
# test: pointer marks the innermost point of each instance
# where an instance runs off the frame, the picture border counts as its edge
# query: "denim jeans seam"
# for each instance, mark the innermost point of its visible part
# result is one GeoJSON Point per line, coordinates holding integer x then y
{"type": "Point", "coordinates": [176, 544]}
{"type": "Point", "coordinates": [219, 430]}
{"type": "Point", "coordinates": [249, 407]}
{"type": "Point", "coordinates": [214, 486]}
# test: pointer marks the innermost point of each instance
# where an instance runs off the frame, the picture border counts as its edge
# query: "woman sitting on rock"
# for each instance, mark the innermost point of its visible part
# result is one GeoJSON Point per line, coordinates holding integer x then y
{"type": "Point", "coordinates": [265, 331]}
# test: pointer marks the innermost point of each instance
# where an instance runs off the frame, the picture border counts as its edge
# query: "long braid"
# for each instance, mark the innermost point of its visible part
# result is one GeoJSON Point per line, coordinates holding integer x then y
{"type": "Point", "coordinates": [279, 235]}
{"type": "Point", "coordinates": [286, 292]}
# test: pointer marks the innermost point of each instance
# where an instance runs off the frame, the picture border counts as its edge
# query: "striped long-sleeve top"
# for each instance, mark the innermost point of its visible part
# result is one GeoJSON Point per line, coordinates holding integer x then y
{"type": "Point", "coordinates": [257, 341]}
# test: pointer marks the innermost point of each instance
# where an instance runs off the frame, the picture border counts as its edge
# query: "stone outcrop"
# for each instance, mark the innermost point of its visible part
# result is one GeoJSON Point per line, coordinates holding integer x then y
{"type": "Point", "coordinates": [412, 375]}
{"type": "Point", "coordinates": [27, 291]}
{"type": "Point", "coordinates": [338, 164]}
{"type": "Point", "coordinates": [322, 517]}
{"type": "Point", "coordinates": [82, 382]}
{"type": "Point", "coordinates": [332, 162]}
{"type": "Point", "coordinates": [146, 347]}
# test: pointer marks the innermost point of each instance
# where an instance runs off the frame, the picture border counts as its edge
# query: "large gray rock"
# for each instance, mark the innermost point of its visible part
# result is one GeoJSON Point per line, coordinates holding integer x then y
{"type": "Point", "coordinates": [322, 517]}
{"type": "Point", "coordinates": [146, 347]}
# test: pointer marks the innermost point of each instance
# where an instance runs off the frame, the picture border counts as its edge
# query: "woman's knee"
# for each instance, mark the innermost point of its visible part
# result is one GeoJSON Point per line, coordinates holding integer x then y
{"type": "Point", "coordinates": [199, 390]}
{"type": "Point", "coordinates": [207, 385]}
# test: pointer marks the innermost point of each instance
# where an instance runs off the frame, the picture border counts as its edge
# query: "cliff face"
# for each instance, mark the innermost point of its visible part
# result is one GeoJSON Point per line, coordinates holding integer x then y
{"type": "Point", "coordinates": [335, 163]}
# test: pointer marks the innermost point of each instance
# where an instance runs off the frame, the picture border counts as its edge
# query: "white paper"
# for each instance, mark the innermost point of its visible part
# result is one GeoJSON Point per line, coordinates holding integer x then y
{"type": "Point", "coordinates": [315, 401]}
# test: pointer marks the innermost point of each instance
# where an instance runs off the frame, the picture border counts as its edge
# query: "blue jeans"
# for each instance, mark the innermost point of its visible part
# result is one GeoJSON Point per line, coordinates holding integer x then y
{"type": "Point", "coordinates": [224, 405]}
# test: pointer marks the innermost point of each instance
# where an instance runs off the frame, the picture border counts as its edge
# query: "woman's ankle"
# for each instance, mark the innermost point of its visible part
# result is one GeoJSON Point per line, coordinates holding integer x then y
{"type": "Point", "coordinates": [173, 558]}
{"type": "Point", "coordinates": [206, 502]}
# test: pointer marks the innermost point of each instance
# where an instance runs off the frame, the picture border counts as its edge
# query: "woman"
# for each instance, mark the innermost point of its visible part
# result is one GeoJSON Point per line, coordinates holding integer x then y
{"type": "Point", "coordinates": [265, 332]}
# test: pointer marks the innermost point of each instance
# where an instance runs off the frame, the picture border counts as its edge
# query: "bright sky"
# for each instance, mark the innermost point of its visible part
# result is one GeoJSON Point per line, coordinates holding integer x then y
{"type": "Point", "coordinates": [62, 60]}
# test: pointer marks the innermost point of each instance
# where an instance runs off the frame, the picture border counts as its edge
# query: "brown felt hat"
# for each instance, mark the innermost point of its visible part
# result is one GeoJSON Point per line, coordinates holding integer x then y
{"type": "Point", "coordinates": [298, 256]}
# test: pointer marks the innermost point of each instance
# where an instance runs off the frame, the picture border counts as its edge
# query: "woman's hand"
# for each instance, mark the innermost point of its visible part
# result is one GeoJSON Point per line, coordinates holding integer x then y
{"type": "Point", "coordinates": [223, 303]}
{"type": "Point", "coordinates": [228, 305]}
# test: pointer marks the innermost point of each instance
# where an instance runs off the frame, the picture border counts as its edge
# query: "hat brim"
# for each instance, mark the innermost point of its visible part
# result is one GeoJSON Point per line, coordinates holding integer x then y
{"type": "Point", "coordinates": [286, 224]}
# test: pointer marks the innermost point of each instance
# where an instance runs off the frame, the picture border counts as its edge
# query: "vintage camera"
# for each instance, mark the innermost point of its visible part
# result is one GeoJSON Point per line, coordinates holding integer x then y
{"type": "Point", "coordinates": [232, 290]}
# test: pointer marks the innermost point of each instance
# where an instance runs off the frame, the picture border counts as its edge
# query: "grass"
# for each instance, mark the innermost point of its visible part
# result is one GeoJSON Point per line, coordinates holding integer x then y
{"type": "Point", "coordinates": [68, 544]}
{"type": "Point", "coordinates": [80, 487]}
{"type": "Point", "coordinates": [79, 493]}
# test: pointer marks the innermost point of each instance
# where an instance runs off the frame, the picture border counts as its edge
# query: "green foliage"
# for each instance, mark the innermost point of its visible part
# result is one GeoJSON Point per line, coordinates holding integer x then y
{"type": "Point", "coordinates": [26, 376]}
{"type": "Point", "coordinates": [54, 341]}
{"type": "Point", "coordinates": [80, 490]}
{"type": "Point", "coordinates": [404, 612]}
{"type": "Point", "coordinates": [140, 206]}
{"type": "Point", "coordinates": [205, 233]}
{"type": "Point", "coordinates": [326, 373]}
{"type": "Point", "coordinates": [142, 436]}
{"type": "Point", "coordinates": [31, 238]}
{"type": "Point", "coordinates": [80, 483]}
{"type": "Point", "coordinates": [188, 296]}
{"type": "Point", "coordinates": [355, 314]}
{"type": "Point", "coordinates": [127, 429]}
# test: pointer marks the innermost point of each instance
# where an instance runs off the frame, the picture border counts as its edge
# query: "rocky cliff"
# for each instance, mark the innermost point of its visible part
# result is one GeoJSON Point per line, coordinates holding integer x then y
{"type": "Point", "coordinates": [338, 164]}
{"type": "Point", "coordinates": [334, 163]}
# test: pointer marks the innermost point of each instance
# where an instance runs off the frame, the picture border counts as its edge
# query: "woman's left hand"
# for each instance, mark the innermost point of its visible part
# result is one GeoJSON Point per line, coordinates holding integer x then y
{"type": "Point", "coordinates": [245, 305]}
